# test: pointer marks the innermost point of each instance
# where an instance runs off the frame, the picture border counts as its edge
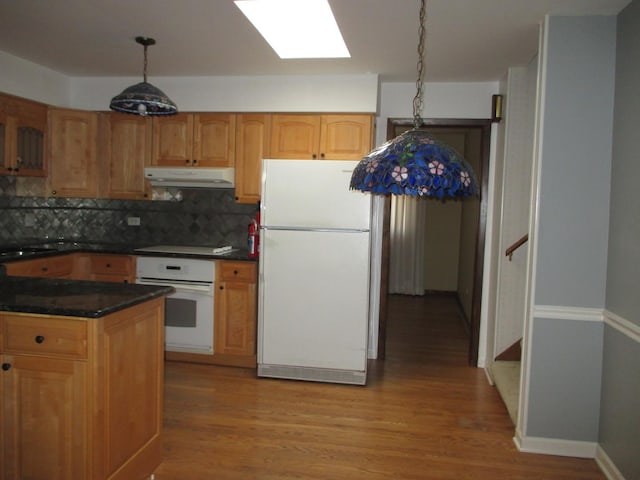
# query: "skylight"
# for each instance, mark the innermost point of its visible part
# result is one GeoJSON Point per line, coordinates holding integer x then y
{"type": "Point", "coordinates": [296, 28]}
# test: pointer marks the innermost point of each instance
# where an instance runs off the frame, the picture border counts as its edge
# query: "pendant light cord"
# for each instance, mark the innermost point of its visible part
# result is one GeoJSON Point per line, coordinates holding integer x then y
{"type": "Point", "coordinates": [417, 100]}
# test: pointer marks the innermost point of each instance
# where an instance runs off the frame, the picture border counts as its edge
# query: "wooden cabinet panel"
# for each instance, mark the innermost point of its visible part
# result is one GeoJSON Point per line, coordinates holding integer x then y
{"type": "Point", "coordinates": [60, 266]}
{"type": "Point", "coordinates": [173, 140]}
{"type": "Point", "coordinates": [132, 362]}
{"type": "Point", "coordinates": [235, 312]}
{"type": "Point", "coordinates": [295, 136]}
{"type": "Point", "coordinates": [23, 126]}
{"type": "Point", "coordinates": [97, 417]}
{"type": "Point", "coordinates": [72, 153]}
{"type": "Point", "coordinates": [62, 338]}
{"type": "Point", "coordinates": [253, 137]}
{"type": "Point", "coordinates": [345, 137]}
{"type": "Point", "coordinates": [235, 331]}
{"type": "Point", "coordinates": [112, 268]}
{"type": "Point", "coordinates": [214, 139]}
{"type": "Point", "coordinates": [321, 137]}
{"type": "Point", "coordinates": [126, 149]}
{"type": "Point", "coordinates": [44, 414]}
{"type": "Point", "coordinates": [197, 140]}
{"type": "Point", "coordinates": [236, 272]}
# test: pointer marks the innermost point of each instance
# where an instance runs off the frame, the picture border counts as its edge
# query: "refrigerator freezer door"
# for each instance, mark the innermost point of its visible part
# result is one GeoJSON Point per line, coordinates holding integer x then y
{"type": "Point", "coordinates": [312, 193]}
{"type": "Point", "coordinates": [314, 297]}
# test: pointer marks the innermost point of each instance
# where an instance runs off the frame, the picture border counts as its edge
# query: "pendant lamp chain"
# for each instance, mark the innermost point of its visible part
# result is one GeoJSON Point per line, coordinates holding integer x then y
{"type": "Point", "coordinates": [418, 100]}
{"type": "Point", "coordinates": [144, 73]}
{"type": "Point", "coordinates": [415, 163]}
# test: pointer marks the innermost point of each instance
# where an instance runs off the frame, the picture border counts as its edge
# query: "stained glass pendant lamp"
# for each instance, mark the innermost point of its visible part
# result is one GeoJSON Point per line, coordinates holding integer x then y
{"type": "Point", "coordinates": [143, 98]}
{"type": "Point", "coordinates": [414, 163]}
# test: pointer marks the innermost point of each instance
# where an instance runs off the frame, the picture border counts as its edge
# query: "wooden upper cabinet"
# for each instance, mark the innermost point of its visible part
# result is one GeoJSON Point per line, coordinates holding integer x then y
{"type": "Point", "coordinates": [73, 165]}
{"type": "Point", "coordinates": [23, 127]}
{"type": "Point", "coordinates": [214, 140]}
{"type": "Point", "coordinates": [253, 135]}
{"type": "Point", "coordinates": [345, 137]}
{"type": "Point", "coordinates": [295, 136]}
{"type": "Point", "coordinates": [172, 140]}
{"type": "Point", "coordinates": [322, 137]}
{"type": "Point", "coordinates": [125, 150]}
{"type": "Point", "coordinates": [194, 140]}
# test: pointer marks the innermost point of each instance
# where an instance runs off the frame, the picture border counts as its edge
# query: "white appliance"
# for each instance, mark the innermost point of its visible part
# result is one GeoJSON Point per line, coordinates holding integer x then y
{"type": "Point", "coordinates": [313, 292]}
{"type": "Point", "coordinates": [198, 177]}
{"type": "Point", "coordinates": [189, 311]}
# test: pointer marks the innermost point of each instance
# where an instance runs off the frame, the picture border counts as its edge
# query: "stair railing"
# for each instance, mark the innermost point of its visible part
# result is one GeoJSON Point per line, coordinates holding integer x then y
{"type": "Point", "coordinates": [509, 251]}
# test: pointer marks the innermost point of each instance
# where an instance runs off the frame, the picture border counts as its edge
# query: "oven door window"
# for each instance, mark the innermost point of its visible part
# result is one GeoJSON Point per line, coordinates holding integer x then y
{"type": "Point", "coordinates": [188, 319]}
{"type": "Point", "coordinates": [180, 312]}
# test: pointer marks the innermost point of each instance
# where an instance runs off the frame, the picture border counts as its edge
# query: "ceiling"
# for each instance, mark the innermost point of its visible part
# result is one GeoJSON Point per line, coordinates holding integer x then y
{"type": "Point", "coordinates": [467, 40]}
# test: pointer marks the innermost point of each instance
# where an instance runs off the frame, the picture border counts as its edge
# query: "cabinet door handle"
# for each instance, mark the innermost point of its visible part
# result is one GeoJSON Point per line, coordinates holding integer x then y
{"type": "Point", "coordinates": [187, 161]}
{"type": "Point", "coordinates": [39, 339]}
{"type": "Point", "coordinates": [221, 287]}
{"type": "Point", "coordinates": [195, 162]}
{"type": "Point", "coordinates": [322, 155]}
{"type": "Point", "coordinates": [235, 272]}
{"type": "Point", "coordinates": [314, 156]}
{"type": "Point", "coordinates": [108, 265]}
{"type": "Point", "coordinates": [6, 366]}
{"type": "Point", "coordinates": [45, 269]}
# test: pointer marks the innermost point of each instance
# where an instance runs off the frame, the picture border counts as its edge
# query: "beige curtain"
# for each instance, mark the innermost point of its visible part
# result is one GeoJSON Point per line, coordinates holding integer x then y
{"type": "Point", "coordinates": [407, 237]}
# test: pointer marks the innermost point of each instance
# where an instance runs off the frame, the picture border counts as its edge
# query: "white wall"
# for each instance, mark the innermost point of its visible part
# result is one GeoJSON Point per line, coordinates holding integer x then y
{"type": "Point", "coordinates": [25, 79]}
{"type": "Point", "coordinates": [441, 100]}
{"type": "Point", "coordinates": [319, 93]}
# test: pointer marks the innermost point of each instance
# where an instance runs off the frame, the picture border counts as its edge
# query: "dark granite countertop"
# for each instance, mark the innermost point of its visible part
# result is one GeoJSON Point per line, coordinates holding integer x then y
{"type": "Point", "coordinates": [74, 298]}
{"type": "Point", "coordinates": [43, 248]}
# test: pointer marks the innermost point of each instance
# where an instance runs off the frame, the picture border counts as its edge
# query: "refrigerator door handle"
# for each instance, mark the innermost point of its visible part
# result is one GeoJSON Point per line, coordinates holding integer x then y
{"type": "Point", "coordinates": [315, 229]}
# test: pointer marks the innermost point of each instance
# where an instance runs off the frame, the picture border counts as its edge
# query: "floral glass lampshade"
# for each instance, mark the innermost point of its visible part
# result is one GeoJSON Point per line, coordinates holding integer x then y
{"type": "Point", "coordinates": [416, 164]}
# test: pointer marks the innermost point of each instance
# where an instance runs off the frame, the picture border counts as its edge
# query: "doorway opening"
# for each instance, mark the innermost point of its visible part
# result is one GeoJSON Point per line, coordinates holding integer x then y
{"type": "Point", "coordinates": [474, 137]}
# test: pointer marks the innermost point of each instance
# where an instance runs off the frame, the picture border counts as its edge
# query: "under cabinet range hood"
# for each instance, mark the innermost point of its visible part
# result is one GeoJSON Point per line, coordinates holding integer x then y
{"type": "Point", "coordinates": [199, 177]}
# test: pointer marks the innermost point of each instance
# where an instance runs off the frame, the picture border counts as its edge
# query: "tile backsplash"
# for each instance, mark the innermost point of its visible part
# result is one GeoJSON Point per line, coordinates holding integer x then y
{"type": "Point", "coordinates": [201, 217]}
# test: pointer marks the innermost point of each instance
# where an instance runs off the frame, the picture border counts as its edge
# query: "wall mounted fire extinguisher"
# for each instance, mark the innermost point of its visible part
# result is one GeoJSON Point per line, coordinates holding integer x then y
{"type": "Point", "coordinates": [254, 237]}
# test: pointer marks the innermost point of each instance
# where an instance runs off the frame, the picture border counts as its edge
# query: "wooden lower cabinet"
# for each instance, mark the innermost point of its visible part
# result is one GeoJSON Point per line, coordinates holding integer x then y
{"type": "Point", "coordinates": [99, 267]}
{"type": "Point", "coordinates": [59, 266]}
{"type": "Point", "coordinates": [235, 312]}
{"type": "Point", "coordinates": [82, 398]}
{"type": "Point", "coordinates": [44, 418]}
{"type": "Point", "coordinates": [105, 267]}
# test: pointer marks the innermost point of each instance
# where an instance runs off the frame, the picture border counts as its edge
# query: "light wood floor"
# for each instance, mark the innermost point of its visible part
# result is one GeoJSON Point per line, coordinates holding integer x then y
{"type": "Point", "coordinates": [423, 415]}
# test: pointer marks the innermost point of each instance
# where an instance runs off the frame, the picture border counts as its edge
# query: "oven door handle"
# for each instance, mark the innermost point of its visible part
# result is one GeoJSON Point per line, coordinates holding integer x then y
{"type": "Point", "coordinates": [180, 287]}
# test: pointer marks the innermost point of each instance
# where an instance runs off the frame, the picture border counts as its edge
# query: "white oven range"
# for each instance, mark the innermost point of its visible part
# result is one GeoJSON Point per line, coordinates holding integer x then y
{"type": "Point", "coordinates": [189, 311]}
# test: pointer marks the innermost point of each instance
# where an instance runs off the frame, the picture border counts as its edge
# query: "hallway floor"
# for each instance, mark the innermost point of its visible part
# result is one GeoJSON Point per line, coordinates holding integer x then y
{"type": "Point", "coordinates": [424, 414]}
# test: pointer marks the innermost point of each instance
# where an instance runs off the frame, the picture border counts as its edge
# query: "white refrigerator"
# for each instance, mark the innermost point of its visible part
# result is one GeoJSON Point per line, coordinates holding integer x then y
{"type": "Point", "coordinates": [314, 268]}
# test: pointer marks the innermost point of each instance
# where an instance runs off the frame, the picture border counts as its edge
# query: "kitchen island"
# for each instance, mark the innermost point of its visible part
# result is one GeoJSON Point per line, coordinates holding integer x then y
{"type": "Point", "coordinates": [82, 379]}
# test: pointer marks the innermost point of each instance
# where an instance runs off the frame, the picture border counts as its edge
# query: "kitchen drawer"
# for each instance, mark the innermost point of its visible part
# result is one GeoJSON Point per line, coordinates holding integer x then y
{"type": "Point", "coordinates": [44, 336]}
{"type": "Point", "coordinates": [236, 272]}
{"type": "Point", "coordinates": [112, 264]}
{"type": "Point", "coordinates": [57, 267]}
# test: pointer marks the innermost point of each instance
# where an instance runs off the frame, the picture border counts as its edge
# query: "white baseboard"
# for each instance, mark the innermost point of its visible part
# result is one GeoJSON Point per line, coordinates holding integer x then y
{"type": "Point", "coordinates": [487, 373]}
{"type": "Point", "coordinates": [607, 466]}
{"type": "Point", "coordinates": [555, 446]}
